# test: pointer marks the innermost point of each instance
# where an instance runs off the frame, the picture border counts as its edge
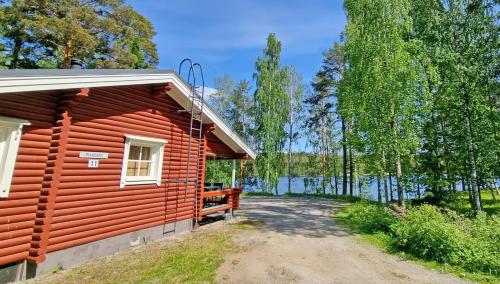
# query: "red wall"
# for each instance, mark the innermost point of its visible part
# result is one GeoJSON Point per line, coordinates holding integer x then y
{"type": "Point", "coordinates": [80, 204]}
{"type": "Point", "coordinates": [17, 213]}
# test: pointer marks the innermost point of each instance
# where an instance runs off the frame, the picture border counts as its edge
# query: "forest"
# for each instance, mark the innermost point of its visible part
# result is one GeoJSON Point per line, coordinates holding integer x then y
{"type": "Point", "coordinates": [409, 93]}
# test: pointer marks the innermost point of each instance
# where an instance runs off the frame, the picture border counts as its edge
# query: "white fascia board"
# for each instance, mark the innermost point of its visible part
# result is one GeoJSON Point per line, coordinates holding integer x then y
{"type": "Point", "coordinates": [146, 139]}
{"type": "Point", "coordinates": [45, 83]}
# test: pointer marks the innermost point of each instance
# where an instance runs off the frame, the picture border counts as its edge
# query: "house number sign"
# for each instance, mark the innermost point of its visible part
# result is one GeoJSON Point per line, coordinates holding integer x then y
{"type": "Point", "coordinates": [93, 164]}
{"type": "Point", "coordinates": [94, 155]}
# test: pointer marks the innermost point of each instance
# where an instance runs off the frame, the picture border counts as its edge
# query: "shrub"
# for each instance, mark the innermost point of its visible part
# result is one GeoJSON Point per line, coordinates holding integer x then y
{"type": "Point", "coordinates": [370, 218]}
{"type": "Point", "coordinates": [447, 237]}
{"type": "Point", "coordinates": [427, 233]}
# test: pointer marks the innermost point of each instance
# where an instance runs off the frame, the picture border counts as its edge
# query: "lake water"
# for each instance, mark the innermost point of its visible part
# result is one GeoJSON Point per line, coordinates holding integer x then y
{"type": "Point", "coordinates": [367, 186]}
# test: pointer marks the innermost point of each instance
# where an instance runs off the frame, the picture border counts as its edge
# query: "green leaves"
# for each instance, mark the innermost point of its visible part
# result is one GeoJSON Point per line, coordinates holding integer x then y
{"type": "Point", "coordinates": [104, 34]}
{"type": "Point", "coordinates": [271, 104]}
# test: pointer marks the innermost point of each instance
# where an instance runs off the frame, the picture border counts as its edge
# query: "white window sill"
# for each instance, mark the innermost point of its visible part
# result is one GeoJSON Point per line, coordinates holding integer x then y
{"type": "Point", "coordinates": [140, 181]}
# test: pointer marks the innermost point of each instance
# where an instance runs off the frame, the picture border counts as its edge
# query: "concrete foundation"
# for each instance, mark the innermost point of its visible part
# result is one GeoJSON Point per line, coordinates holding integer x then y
{"type": "Point", "coordinates": [82, 253]}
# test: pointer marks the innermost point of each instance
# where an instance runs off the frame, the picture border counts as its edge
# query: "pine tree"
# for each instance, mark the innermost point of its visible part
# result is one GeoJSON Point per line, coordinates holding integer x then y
{"type": "Point", "coordinates": [103, 34]}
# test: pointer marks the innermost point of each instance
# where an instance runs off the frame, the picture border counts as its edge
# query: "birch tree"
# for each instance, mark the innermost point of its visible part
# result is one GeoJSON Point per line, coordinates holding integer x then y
{"type": "Point", "coordinates": [270, 112]}
{"type": "Point", "coordinates": [295, 89]}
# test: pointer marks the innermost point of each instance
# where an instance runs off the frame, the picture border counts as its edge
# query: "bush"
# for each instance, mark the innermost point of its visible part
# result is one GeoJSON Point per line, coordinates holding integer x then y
{"type": "Point", "coordinates": [447, 237]}
{"type": "Point", "coordinates": [370, 218]}
{"type": "Point", "coordinates": [427, 233]}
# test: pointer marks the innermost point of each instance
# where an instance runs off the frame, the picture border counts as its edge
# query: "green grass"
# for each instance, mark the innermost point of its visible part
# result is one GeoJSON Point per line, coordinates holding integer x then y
{"type": "Point", "coordinates": [383, 240]}
{"type": "Point", "coordinates": [462, 205]}
{"type": "Point", "coordinates": [189, 263]}
{"type": "Point", "coordinates": [248, 224]}
{"type": "Point", "coordinates": [193, 260]}
{"type": "Point", "coordinates": [346, 198]}
{"type": "Point", "coordinates": [257, 193]}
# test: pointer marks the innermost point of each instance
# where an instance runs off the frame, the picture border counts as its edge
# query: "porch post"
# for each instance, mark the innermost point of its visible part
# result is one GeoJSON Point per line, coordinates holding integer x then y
{"type": "Point", "coordinates": [233, 175]}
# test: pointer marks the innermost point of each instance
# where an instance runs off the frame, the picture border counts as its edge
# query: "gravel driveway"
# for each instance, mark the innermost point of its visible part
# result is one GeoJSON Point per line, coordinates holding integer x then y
{"type": "Point", "coordinates": [298, 241]}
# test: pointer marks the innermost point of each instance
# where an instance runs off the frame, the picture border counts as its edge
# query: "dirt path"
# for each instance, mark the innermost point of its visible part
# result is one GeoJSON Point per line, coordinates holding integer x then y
{"type": "Point", "coordinates": [298, 242]}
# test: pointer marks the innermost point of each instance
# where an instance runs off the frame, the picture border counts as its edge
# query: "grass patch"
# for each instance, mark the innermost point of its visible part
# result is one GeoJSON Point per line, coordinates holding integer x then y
{"type": "Point", "coordinates": [461, 203]}
{"type": "Point", "coordinates": [194, 260]}
{"type": "Point", "coordinates": [257, 193]}
{"type": "Point", "coordinates": [248, 224]}
{"type": "Point", "coordinates": [439, 240]}
{"type": "Point", "coordinates": [189, 263]}
{"type": "Point", "coordinates": [346, 198]}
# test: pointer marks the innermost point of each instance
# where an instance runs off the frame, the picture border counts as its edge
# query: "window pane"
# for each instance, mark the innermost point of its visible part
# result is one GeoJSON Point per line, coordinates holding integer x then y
{"type": "Point", "coordinates": [145, 167]}
{"type": "Point", "coordinates": [134, 152]}
{"type": "Point", "coordinates": [146, 154]}
{"type": "Point", "coordinates": [132, 169]}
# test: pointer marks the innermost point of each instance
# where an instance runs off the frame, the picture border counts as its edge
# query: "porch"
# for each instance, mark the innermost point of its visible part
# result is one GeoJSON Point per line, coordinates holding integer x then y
{"type": "Point", "coordinates": [220, 195]}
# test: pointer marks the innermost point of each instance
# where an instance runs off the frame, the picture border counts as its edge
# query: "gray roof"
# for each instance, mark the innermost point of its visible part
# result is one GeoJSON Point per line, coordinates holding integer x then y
{"type": "Point", "coordinates": [80, 72]}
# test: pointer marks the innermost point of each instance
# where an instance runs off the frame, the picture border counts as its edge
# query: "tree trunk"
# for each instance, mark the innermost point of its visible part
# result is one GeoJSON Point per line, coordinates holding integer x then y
{"type": "Point", "coordinates": [351, 172]}
{"type": "Point", "coordinates": [323, 167]}
{"type": "Point", "coordinates": [344, 159]}
{"type": "Point", "coordinates": [290, 156]}
{"type": "Point", "coordinates": [335, 172]}
{"type": "Point", "coordinates": [390, 186]}
{"type": "Point", "coordinates": [492, 190]}
{"type": "Point", "coordinates": [419, 194]}
{"type": "Point", "coordinates": [18, 42]}
{"type": "Point", "coordinates": [471, 157]}
{"type": "Point", "coordinates": [384, 167]}
{"type": "Point", "coordinates": [379, 190]}
{"type": "Point", "coordinates": [462, 180]}
{"type": "Point", "coordinates": [68, 54]}
{"type": "Point", "coordinates": [399, 182]}
{"type": "Point", "coordinates": [397, 155]}
{"type": "Point", "coordinates": [446, 153]}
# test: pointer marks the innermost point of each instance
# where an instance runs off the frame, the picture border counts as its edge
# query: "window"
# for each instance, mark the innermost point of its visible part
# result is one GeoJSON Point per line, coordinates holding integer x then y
{"type": "Point", "coordinates": [10, 135]}
{"type": "Point", "coordinates": [142, 160]}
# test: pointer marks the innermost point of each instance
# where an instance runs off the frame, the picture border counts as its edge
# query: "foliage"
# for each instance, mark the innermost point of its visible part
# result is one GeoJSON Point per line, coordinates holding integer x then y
{"type": "Point", "coordinates": [434, 234]}
{"type": "Point", "coordinates": [320, 109]}
{"type": "Point", "coordinates": [233, 102]}
{"type": "Point", "coordinates": [370, 218]}
{"type": "Point", "coordinates": [103, 34]}
{"type": "Point", "coordinates": [379, 91]}
{"type": "Point", "coordinates": [295, 89]}
{"type": "Point", "coordinates": [270, 112]}
{"type": "Point", "coordinates": [450, 238]}
{"type": "Point", "coordinates": [217, 171]}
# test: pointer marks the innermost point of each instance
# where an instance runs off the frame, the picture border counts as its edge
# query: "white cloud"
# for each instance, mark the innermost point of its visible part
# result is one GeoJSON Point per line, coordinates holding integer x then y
{"type": "Point", "coordinates": [209, 92]}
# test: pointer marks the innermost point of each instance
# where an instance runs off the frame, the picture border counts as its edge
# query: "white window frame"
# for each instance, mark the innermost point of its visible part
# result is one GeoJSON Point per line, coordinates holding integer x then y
{"type": "Point", "coordinates": [157, 149]}
{"type": "Point", "coordinates": [8, 156]}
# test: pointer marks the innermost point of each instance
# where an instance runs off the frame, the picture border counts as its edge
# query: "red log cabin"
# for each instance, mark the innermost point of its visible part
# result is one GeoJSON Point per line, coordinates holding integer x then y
{"type": "Point", "coordinates": [96, 161]}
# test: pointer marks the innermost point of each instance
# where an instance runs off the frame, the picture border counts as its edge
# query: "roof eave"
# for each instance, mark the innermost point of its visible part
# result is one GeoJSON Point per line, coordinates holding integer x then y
{"type": "Point", "coordinates": [46, 83]}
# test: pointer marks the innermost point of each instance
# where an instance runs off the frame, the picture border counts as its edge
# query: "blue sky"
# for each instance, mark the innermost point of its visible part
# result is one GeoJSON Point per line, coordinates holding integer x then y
{"type": "Point", "coordinates": [226, 37]}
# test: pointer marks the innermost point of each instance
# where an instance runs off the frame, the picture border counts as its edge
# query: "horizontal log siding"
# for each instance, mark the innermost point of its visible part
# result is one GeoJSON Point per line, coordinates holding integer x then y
{"type": "Point", "coordinates": [90, 204]}
{"type": "Point", "coordinates": [18, 211]}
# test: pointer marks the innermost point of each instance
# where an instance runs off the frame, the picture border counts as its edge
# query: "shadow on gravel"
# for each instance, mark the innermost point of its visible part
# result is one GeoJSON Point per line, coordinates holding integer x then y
{"type": "Point", "coordinates": [309, 217]}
